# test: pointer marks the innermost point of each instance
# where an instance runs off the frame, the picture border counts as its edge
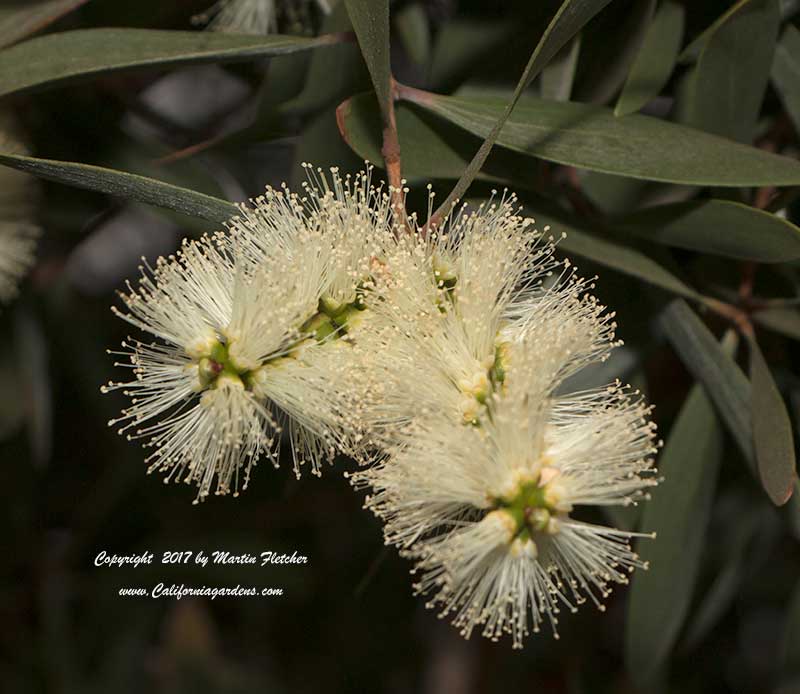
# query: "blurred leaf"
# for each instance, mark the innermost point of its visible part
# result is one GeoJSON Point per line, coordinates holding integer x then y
{"type": "Point", "coordinates": [621, 258]}
{"type": "Point", "coordinates": [655, 61]}
{"type": "Point", "coordinates": [558, 76]}
{"type": "Point", "coordinates": [321, 145]}
{"type": "Point", "coordinates": [789, 8]}
{"type": "Point", "coordinates": [332, 74]}
{"type": "Point", "coordinates": [55, 59]}
{"type": "Point", "coordinates": [785, 321]}
{"type": "Point", "coordinates": [790, 648]}
{"type": "Point", "coordinates": [568, 20]}
{"type": "Point", "coordinates": [721, 227]}
{"type": "Point", "coordinates": [414, 31]}
{"type": "Point", "coordinates": [724, 91]}
{"type": "Point", "coordinates": [462, 43]}
{"type": "Point", "coordinates": [19, 19]}
{"type": "Point", "coordinates": [793, 508]}
{"type": "Point", "coordinates": [725, 384]}
{"type": "Point", "coordinates": [580, 239]}
{"type": "Point", "coordinates": [609, 45]}
{"type": "Point", "coordinates": [786, 72]}
{"type": "Point", "coordinates": [591, 137]}
{"type": "Point", "coordinates": [727, 582]}
{"type": "Point", "coordinates": [678, 513]}
{"type": "Point", "coordinates": [33, 359]}
{"type": "Point", "coordinates": [125, 185]}
{"type": "Point", "coordinates": [613, 194]}
{"type": "Point", "coordinates": [370, 20]}
{"type": "Point", "coordinates": [692, 52]}
{"type": "Point", "coordinates": [772, 431]}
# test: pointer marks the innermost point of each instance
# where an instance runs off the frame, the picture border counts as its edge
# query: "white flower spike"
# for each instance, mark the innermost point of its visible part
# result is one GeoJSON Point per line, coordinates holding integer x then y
{"type": "Point", "coordinates": [453, 303]}
{"type": "Point", "coordinates": [485, 461]}
{"type": "Point", "coordinates": [254, 328]}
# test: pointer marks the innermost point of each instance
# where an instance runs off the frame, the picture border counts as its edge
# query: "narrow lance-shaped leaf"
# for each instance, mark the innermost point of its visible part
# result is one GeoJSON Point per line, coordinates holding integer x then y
{"type": "Point", "coordinates": [557, 77]}
{"type": "Point", "coordinates": [721, 227]}
{"type": "Point", "coordinates": [370, 20]}
{"type": "Point", "coordinates": [431, 149]}
{"type": "Point", "coordinates": [678, 513]}
{"type": "Point", "coordinates": [591, 137]}
{"type": "Point", "coordinates": [610, 44]}
{"type": "Point", "coordinates": [724, 91]}
{"type": "Point", "coordinates": [691, 53]}
{"type": "Point", "coordinates": [56, 59]}
{"type": "Point", "coordinates": [772, 431]}
{"type": "Point", "coordinates": [785, 72]}
{"type": "Point", "coordinates": [629, 261]}
{"type": "Point", "coordinates": [724, 381]}
{"type": "Point", "coordinates": [588, 137]}
{"type": "Point", "coordinates": [568, 20]}
{"type": "Point", "coordinates": [22, 18]}
{"type": "Point", "coordinates": [125, 185]}
{"type": "Point", "coordinates": [655, 60]}
{"type": "Point", "coordinates": [739, 560]}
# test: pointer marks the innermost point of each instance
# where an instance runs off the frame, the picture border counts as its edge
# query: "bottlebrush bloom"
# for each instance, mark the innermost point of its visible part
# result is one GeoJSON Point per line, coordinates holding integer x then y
{"type": "Point", "coordinates": [453, 303]}
{"type": "Point", "coordinates": [255, 327]}
{"type": "Point", "coordinates": [485, 510]}
{"type": "Point", "coordinates": [18, 232]}
{"type": "Point", "coordinates": [258, 17]}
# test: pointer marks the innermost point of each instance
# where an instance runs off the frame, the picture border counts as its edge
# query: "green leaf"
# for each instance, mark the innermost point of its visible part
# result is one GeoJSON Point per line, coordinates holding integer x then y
{"type": "Point", "coordinates": [557, 77]}
{"type": "Point", "coordinates": [739, 555]}
{"type": "Point", "coordinates": [621, 258]}
{"type": "Point", "coordinates": [609, 45]}
{"type": "Point", "coordinates": [125, 185]}
{"type": "Point", "coordinates": [678, 513]}
{"type": "Point", "coordinates": [413, 28]}
{"type": "Point", "coordinates": [568, 20]}
{"type": "Point", "coordinates": [370, 20]}
{"type": "Point", "coordinates": [461, 44]}
{"type": "Point", "coordinates": [725, 384]}
{"type": "Point", "coordinates": [655, 61]}
{"type": "Point", "coordinates": [772, 431]}
{"type": "Point", "coordinates": [724, 91]}
{"type": "Point", "coordinates": [591, 137]}
{"type": "Point", "coordinates": [785, 321]}
{"type": "Point", "coordinates": [721, 227]}
{"type": "Point", "coordinates": [786, 72]}
{"type": "Point", "coordinates": [431, 149]}
{"type": "Point", "coordinates": [691, 53]}
{"type": "Point", "coordinates": [56, 59]}
{"type": "Point", "coordinates": [21, 18]}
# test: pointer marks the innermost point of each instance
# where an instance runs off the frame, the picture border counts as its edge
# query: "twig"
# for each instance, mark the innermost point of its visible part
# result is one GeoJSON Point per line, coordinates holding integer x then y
{"type": "Point", "coordinates": [390, 150]}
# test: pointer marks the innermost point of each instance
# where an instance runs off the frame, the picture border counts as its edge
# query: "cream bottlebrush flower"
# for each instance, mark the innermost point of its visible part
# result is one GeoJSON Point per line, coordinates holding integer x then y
{"type": "Point", "coordinates": [259, 17]}
{"type": "Point", "coordinates": [454, 302]}
{"type": "Point", "coordinates": [255, 326]}
{"type": "Point", "coordinates": [18, 232]}
{"type": "Point", "coordinates": [486, 510]}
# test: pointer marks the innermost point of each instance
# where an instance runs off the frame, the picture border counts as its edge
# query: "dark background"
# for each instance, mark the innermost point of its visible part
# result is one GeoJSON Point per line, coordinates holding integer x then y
{"type": "Point", "coordinates": [347, 621]}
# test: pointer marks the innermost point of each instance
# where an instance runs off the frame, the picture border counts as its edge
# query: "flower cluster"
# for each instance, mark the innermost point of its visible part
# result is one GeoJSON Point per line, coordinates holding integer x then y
{"type": "Point", "coordinates": [257, 332]}
{"type": "Point", "coordinates": [486, 458]}
{"type": "Point", "coordinates": [18, 232]}
{"type": "Point", "coordinates": [438, 358]}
